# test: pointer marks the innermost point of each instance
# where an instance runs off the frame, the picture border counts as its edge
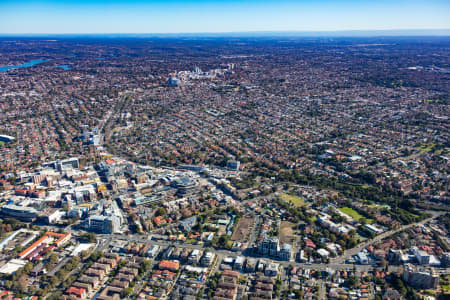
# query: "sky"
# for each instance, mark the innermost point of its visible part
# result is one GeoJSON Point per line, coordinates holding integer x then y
{"type": "Point", "coordinates": [203, 16]}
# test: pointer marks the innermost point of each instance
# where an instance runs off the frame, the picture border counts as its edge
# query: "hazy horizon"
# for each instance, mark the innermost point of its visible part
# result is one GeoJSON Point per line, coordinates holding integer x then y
{"type": "Point", "coordinates": [287, 33]}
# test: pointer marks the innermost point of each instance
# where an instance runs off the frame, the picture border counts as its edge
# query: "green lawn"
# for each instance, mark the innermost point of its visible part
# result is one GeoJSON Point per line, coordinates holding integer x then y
{"type": "Point", "coordinates": [297, 201]}
{"type": "Point", "coordinates": [2, 143]}
{"type": "Point", "coordinates": [427, 147]}
{"type": "Point", "coordinates": [446, 287]}
{"type": "Point", "coordinates": [354, 214]}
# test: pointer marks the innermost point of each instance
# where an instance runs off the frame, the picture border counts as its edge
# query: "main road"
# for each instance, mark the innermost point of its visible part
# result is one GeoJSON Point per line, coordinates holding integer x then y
{"type": "Point", "coordinates": [335, 264]}
{"type": "Point", "coordinates": [351, 252]}
{"type": "Point", "coordinates": [224, 253]}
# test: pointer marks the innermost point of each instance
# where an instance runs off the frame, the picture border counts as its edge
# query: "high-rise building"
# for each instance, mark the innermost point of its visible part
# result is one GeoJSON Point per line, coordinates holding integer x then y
{"type": "Point", "coordinates": [270, 246]}
{"type": "Point", "coordinates": [420, 277]}
{"type": "Point", "coordinates": [104, 224]}
{"type": "Point", "coordinates": [173, 81]}
{"type": "Point", "coordinates": [233, 165]}
{"type": "Point", "coordinates": [445, 260]}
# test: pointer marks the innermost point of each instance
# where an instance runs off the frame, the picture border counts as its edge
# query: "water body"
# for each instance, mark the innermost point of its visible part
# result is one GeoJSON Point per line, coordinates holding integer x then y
{"type": "Point", "coordinates": [64, 67]}
{"type": "Point", "coordinates": [26, 65]}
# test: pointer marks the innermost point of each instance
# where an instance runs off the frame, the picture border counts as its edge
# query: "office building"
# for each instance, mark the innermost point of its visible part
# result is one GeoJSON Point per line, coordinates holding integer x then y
{"type": "Point", "coordinates": [185, 186]}
{"type": "Point", "coordinates": [419, 277]}
{"type": "Point", "coordinates": [19, 212]}
{"type": "Point", "coordinates": [104, 224]}
{"type": "Point", "coordinates": [233, 165]}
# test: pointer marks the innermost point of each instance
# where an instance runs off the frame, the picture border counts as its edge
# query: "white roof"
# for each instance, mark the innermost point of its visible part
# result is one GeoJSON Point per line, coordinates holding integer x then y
{"type": "Point", "coordinates": [12, 266]}
{"type": "Point", "coordinates": [7, 137]}
{"type": "Point", "coordinates": [323, 252]}
{"type": "Point", "coordinates": [80, 248]}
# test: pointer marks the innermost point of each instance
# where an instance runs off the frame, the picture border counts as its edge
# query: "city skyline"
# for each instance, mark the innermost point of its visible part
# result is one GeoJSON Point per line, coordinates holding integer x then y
{"type": "Point", "coordinates": [95, 17]}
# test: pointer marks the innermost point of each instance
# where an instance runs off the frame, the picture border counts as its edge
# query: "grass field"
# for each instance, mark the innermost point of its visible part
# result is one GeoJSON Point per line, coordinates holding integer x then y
{"type": "Point", "coordinates": [287, 233]}
{"type": "Point", "coordinates": [354, 214]}
{"type": "Point", "coordinates": [297, 201]}
{"type": "Point", "coordinates": [242, 229]}
{"type": "Point", "coordinates": [427, 147]}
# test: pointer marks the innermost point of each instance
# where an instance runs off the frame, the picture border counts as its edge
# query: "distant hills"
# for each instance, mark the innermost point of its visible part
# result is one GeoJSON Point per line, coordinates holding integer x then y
{"type": "Point", "coordinates": [338, 33]}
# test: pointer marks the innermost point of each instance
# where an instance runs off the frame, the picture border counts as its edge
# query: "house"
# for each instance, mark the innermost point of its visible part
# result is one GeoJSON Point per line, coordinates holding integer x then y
{"type": "Point", "coordinates": [188, 223]}
{"type": "Point", "coordinates": [129, 271]}
{"type": "Point", "coordinates": [391, 294]}
{"type": "Point", "coordinates": [80, 293]}
{"type": "Point", "coordinates": [94, 281]}
{"type": "Point", "coordinates": [87, 286]}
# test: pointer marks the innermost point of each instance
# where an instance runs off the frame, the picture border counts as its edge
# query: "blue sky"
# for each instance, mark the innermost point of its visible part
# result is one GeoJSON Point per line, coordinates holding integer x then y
{"type": "Point", "coordinates": [177, 16]}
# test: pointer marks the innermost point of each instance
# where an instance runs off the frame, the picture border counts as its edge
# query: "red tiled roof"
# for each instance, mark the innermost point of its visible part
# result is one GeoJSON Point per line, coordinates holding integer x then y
{"type": "Point", "coordinates": [169, 265]}
{"type": "Point", "coordinates": [76, 291]}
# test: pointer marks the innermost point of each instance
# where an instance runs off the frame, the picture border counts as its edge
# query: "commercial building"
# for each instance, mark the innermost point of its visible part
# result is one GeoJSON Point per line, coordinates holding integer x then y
{"type": "Point", "coordinates": [12, 266]}
{"type": "Point", "coordinates": [173, 81]}
{"type": "Point", "coordinates": [420, 277]}
{"type": "Point", "coordinates": [63, 164]}
{"type": "Point", "coordinates": [194, 257]}
{"type": "Point", "coordinates": [233, 165]}
{"type": "Point", "coordinates": [185, 186]}
{"type": "Point", "coordinates": [239, 263]}
{"type": "Point", "coordinates": [422, 257]}
{"type": "Point", "coordinates": [362, 258]}
{"type": "Point", "coordinates": [153, 251]}
{"type": "Point", "coordinates": [51, 215]}
{"type": "Point", "coordinates": [271, 269]}
{"type": "Point", "coordinates": [104, 224]}
{"type": "Point", "coordinates": [207, 259]}
{"type": "Point", "coordinates": [19, 212]}
{"type": "Point", "coordinates": [6, 138]}
{"type": "Point", "coordinates": [250, 265]}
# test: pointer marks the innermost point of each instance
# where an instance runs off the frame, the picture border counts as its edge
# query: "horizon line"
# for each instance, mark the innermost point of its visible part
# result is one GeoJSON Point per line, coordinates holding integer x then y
{"type": "Point", "coordinates": [307, 33]}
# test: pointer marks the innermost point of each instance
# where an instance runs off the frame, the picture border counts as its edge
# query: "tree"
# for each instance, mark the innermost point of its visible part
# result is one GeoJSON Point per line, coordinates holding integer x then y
{"type": "Point", "coordinates": [54, 281]}
{"type": "Point", "coordinates": [160, 212]}
{"type": "Point", "coordinates": [126, 292]}
{"type": "Point", "coordinates": [22, 283]}
{"type": "Point", "coordinates": [28, 267]}
{"type": "Point", "coordinates": [75, 260]}
{"type": "Point", "coordinates": [384, 263]}
{"type": "Point", "coordinates": [53, 258]}
{"type": "Point", "coordinates": [90, 237]}
{"type": "Point", "coordinates": [8, 284]}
